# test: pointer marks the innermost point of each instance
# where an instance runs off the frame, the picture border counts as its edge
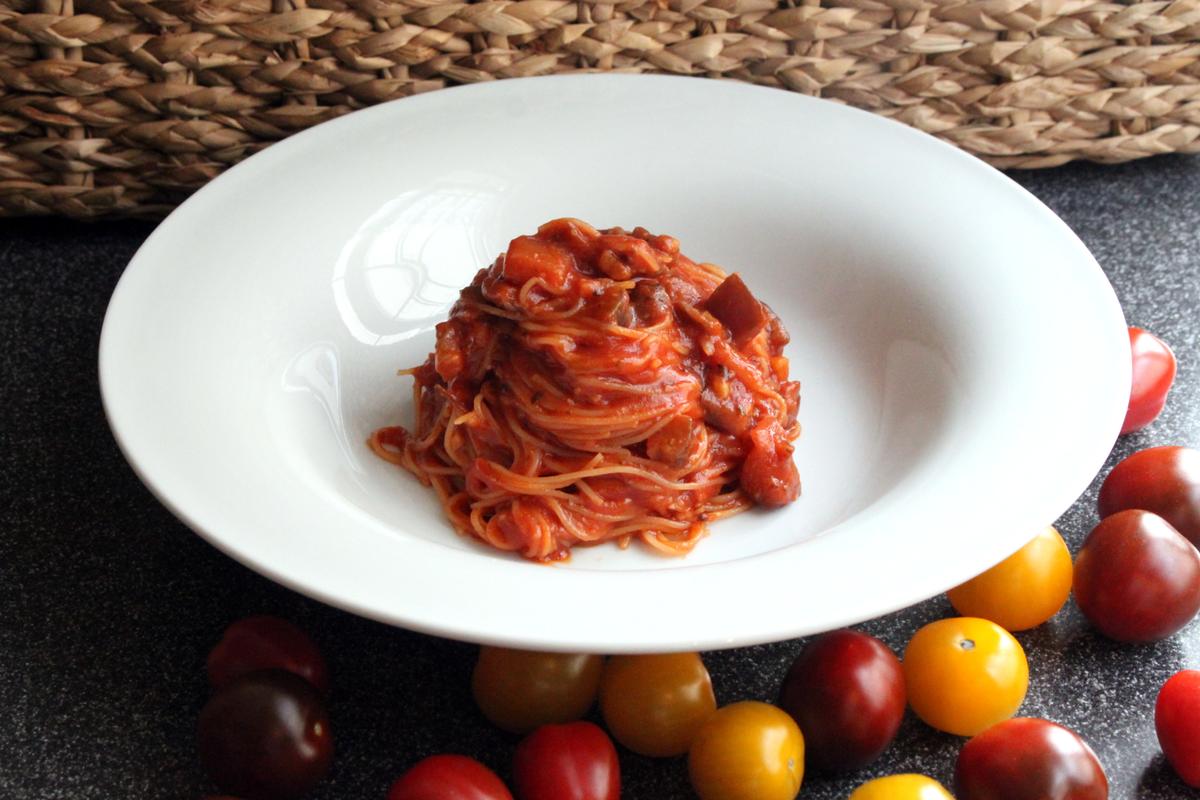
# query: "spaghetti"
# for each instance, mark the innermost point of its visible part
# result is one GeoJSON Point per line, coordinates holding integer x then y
{"type": "Point", "coordinates": [598, 385]}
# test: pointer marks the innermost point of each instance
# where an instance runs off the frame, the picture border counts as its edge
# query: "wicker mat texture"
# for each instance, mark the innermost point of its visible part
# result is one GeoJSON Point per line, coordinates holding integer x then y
{"type": "Point", "coordinates": [126, 106]}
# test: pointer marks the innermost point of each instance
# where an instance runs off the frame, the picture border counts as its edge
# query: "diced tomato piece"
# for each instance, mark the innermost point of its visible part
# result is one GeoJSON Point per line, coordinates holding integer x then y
{"type": "Point", "coordinates": [529, 257]}
{"type": "Point", "coordinates": [769, 475]}
{"type": "Point", "coordinates": [737, 309]}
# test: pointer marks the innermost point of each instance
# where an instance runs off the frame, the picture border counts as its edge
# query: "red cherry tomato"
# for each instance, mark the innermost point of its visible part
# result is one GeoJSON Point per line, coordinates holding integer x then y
{"type": "Point", "coordinates": [846, 692]}
{"type": "Point", "coordinates": [1165, 480]}
{"type": "Point", "coordinates": [1028, 759]}
{"type": "Point", "coordinates": [448, 777]}
{"type": "Point", "coordinates": [1153, 374]}
{"type": "Point", "coordinates": [1136, 578]}
{"type": "Point", "coordinates": [1177, 720]}
{"type": "Point", "coordinates": [264, 642]}
{"type": "Point", "coordinates": [576, 761]}
{"type": "Point", "coordinates": [265, 736]}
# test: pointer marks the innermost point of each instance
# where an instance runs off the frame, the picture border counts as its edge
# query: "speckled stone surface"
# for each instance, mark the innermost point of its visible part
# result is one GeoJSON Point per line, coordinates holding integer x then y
{"type": "Point", "coordinates": [108, 605]}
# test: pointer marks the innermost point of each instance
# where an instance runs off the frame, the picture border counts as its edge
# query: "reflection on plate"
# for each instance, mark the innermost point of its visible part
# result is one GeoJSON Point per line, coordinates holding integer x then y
{"type": "Point", "coordinates": [964, 362]}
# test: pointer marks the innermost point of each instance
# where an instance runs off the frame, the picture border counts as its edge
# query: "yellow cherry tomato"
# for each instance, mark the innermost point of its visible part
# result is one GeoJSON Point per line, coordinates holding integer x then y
{"type": "Point", "coordinates": [655, 704]}
{"type": "Point", "coordinates": [901, 787]}
{"type": "Point", "coordinates": [965, 674]}
{"type": "Point", "coordinates": [1022, 591]}
{"type": "Point", "coordinates": [747, 751]}
{"type": "Point", "coordinates": [519, 690]}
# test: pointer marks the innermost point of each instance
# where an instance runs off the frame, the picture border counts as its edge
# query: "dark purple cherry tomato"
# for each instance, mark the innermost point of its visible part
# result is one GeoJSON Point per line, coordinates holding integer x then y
{"type": "Point", "coordinates": [846, 692]}
{"type": "Point", "coordinates": [1136, 579]}
{"type": "Point", "coordinates": [1153, 374]}
{"type": "Point", "coordinates": [1177, 721]}
{"type": "Point", "coordinates": [1028, 759]}
{"type": "Point", "coordinates": [265, 736]}
{"type": "Point", "coordinates": [449, 777]}
{"type": "Point", "coordinates": [576, 761]}
{"type": "Point", "coordinates": [263, 642]}
{"type": "Point", "coordinates": [1165, 480]}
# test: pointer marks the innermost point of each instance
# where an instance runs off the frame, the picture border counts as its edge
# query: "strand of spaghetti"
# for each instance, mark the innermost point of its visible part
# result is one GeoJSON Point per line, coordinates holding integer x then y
{"type": "Point", "coordinates": [660, 387]}
{"type": "Point", "coordinates": [453, 444]}
{"type": "Point", "coordinates": [529, 440]}
{"type": "Point", "coordinates": [427, 441]}
{"type": "Point", "coordinates": [523, 295]}
{"type": "Point", "coordinates": [572, 527]}
{"type": "Point", "coordinates": [749, 374]}
{"type": "Point", "coordinates": [581, 330]}
{"type": "Point", "coordinates": [589, 493]}
{"type": "Point", "coordinates": [540, 383]}
{"type": "Point", "coordinates": [569, 413]}
{"type": "Point", "coordinates": [674, 547]}
{"type": "Point", "coordinates": [489, 421]}
{"type": "Point", "coordinates": [566, 479]}
{"type": "Point", "coordinates": [583, 510]}
{"type": "Point", "coordinates": [446, 470]}
{"type": "Point", "coordinates": [508, 493]}
{"type": "Point", "coordinates": [704, 320]}
{"type": "Point", "coordinates": [639, 524]}
{"type": "Point", "coordinates": [495, 311]}
{"type": "Point", "coordinates": [542, 312]}
{"type": "Point", "coordinates": [382, 450]}
{"type": "Point", "coordinates": [639, 434]}
{"type": "Point", "coordinates": [591, 418]}
{"type": "Point", "coordinates": [711, 273]}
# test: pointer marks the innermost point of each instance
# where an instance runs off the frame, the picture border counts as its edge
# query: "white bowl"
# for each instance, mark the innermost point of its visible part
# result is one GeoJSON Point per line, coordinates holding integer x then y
{"type": "Point", "coordinates": [964, 362]}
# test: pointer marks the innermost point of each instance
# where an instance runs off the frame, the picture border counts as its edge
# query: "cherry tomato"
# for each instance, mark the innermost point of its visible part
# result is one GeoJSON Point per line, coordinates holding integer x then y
{"type": "Point", "coordinates": [1022, 591]}
{"type": "Point", "coordinates": [747, 751]}
{"type": "Point", "coordinates": [519, 690]}
{"type": "Point", "coordinates": [901, 787]}
{"type": "Point", "coordinates": [448, 777]}
{"type": "Point", "coordinates": [964, 674]}
{"type": "Point", "coordinates": [264, 642]}
{"type": "Point", "coordinates": [576, 761]}
{"type": "Point", "coordinates": [1165, 480]}
{"type": "Point", "coordinates": [655, 704]}
{"type": "Point", "coordinates": [1028, 759]}
{"type": "Point", "coordinates": [1177, 720]}
{"type": "Point", "coordinates": [265, 736]}
{"type": "Point", "coordinates": [846, 692]}
{"type": "Point", "coordinates": [1153, 374]}
{"type": "Point", "coordinates": [1136, 578]}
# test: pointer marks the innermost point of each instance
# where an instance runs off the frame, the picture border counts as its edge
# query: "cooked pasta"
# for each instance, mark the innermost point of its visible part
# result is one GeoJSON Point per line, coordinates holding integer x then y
{"type": "Point", "coordinates": [599, 385]}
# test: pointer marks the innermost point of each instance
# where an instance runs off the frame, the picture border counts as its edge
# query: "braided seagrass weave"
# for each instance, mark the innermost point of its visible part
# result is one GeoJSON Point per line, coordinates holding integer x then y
{"type": "Point", "coordinates": [126, 106]}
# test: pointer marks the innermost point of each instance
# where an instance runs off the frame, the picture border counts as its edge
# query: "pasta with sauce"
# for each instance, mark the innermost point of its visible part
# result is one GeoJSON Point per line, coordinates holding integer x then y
{"type": "Point", "coordinates": [599, 385]}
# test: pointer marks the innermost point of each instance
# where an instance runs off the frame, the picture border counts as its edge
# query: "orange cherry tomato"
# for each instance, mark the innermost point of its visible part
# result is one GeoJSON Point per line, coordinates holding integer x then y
{"type": "Point", "coordinates": [519, 690]}
{"type": "Point", "coordinates": [965, 674]}
{"type": "Point", "coordinates": [654, 704]}
{"type": "Point", "coordinates": [747, 751]}
{"type": "Point", "coordinates": [901, 787]}
{"type": "Point", "coordinates": [1022, 591]}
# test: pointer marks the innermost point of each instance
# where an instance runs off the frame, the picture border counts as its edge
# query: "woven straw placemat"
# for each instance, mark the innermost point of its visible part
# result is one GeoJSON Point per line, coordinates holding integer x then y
{"type": "Point", "coordinates": [127, 106]}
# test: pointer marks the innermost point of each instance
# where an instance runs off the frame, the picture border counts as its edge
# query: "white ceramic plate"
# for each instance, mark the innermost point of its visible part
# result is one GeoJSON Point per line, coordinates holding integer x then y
{"type": "Point", "coordinates": [964, 362]}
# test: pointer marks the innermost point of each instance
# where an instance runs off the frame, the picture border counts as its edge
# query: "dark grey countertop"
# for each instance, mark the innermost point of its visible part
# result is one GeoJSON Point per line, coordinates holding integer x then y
{"type": "Point", "coordinates": [108, 605]}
